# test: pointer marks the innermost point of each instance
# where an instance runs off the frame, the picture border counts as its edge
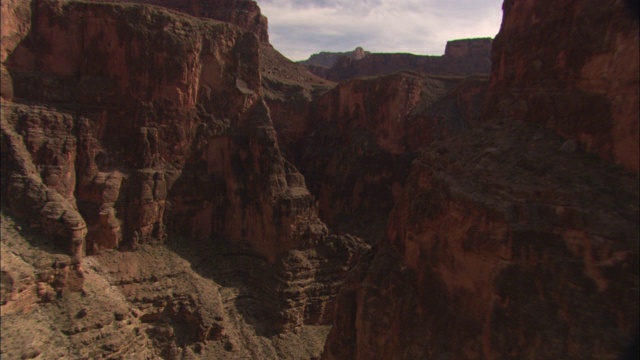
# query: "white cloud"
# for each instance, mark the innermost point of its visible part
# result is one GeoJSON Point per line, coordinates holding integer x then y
{"type": "Point", "coordinates": [299, 28]}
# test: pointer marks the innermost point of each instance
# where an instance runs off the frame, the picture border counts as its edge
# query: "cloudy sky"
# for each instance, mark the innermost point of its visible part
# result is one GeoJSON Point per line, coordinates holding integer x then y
{"type": "Point", "coordinates": [299, 28]}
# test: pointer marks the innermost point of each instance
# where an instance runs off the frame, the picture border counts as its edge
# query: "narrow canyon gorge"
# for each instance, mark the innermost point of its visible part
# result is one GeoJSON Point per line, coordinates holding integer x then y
{"type": "Point", "coordinates": [175, 188]}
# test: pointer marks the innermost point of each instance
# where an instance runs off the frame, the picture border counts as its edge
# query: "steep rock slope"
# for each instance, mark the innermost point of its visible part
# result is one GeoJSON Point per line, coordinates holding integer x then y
{"type": "Point", "coordinates": [509, 241]}
{"type": "Point", "coordinates": [125, 125]}
{"type": "Point", "coordinates": [578, 73]}
{"type": "Point", "coordinates": [363, 134]}
{"type": "Point", "coordinates": [461, 58]}
{"type": "Point", "coordinates": [290, 90]}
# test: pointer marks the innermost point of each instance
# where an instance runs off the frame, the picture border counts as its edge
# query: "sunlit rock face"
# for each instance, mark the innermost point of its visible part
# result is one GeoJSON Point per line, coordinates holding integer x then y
{"type": "Point", "coordinates": [510, 241]}
{"type": "Point", "coordinates": [136, 128]}
{"type": "Point", "coordinates": [572, 67]}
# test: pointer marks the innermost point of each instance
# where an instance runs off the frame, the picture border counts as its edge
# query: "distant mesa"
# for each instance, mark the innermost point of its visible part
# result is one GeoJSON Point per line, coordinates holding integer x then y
{"type": "Point", "coordinates": [328, 59]}
{"type": "Point", "coordinates": [462, 57]}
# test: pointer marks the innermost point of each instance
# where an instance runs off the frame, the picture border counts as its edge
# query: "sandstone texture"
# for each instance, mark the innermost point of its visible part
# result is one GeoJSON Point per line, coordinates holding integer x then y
{"type": "Point", "coordinates": [134, 128]}
{"type": "Point", "coordinates": [572, 67]}
{"type": "Point", "coordinates": [461, 58]}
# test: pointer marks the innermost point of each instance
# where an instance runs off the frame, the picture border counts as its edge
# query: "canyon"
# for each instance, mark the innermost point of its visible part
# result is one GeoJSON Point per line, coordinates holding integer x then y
{"type": "Point", "coordinates": [175, 188]}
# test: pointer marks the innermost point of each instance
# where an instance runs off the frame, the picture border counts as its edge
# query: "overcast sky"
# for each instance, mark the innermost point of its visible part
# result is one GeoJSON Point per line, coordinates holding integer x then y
{"type": "Point", "coordinates": [299, 28]}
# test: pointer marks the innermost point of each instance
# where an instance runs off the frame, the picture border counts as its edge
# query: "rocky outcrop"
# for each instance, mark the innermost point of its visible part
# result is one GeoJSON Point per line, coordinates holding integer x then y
{"type": "Point", "coordinates": [364, 133]}
{"type": "Point", "coordinates": [502, 246]}
{"type": "Point", "coordinates": [583, 83]}
{"type": "Point", "coordinates": [119, 136]}
{"type": "Point", "coordinates": [462, 58]}
{"type": "Point", "coordinates": [243, 13]}
{"type": "Point", "coordinates": [186, 300]}
{"type": "Point", "coordinates": [101, 92]}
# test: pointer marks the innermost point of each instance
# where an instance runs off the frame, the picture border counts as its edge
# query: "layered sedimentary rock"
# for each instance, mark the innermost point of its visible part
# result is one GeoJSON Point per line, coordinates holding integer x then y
{"type": "Point", "coordinates": [124, 125]}
{"type": "Point", "coordinates": [510, 241]}
{"type": "Point", "coordinates": [572, 67]}
{"type": "Point", "coordinates": [243, 13]}
{"type": "Point", "coordinates": [462, 58]}
{"type": "Point", "coordinates": [185, 300]}
{"type": "Point", "coordinates": [107, 130]}
{"type": "Point", "coordinates": [364, 133]}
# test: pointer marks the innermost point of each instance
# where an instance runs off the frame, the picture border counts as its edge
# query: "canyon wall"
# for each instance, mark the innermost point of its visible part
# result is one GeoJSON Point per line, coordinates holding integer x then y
{"type": "Point", "coordinates": [364, 133]}
{"type": "Point", "coordinates": [462, 58]}
{"type": "Point", "coordinates": [127, 125]}
{"type": "Point", "coordinates": [572, 67]}
{"type": "Point", "coordinates": [243, 13]}
{"type": "Point", "coordinates": [510, 241]}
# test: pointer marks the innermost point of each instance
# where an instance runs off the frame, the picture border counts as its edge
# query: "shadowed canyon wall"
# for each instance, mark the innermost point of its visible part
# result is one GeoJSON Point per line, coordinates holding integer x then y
{"type": "Point", "coordinates": [577, 73]}
{"type": "Point", "coordinates": [364, 133]}
{"type": "Point", "coordinates": [509, 241]}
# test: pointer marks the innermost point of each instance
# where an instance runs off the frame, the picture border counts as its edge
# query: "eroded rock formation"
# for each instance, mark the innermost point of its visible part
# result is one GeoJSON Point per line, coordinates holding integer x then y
{"type": "Point", "coordinates": [149, 164]}
{"type": "Point", "coordinates": [124, 125]}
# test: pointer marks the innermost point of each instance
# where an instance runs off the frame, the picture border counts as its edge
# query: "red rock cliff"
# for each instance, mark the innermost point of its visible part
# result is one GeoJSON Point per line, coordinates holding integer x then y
{"type": "Point", "coordinates": [572, 67]}
{"type": "Point", "coordinates": [508, 242]}
{"type": "Point", "coordinates": [123, 124]}
{"type": "Point", "coordinates": [363, 134]}
{"type": "Point", "coordinates": [243, 13]}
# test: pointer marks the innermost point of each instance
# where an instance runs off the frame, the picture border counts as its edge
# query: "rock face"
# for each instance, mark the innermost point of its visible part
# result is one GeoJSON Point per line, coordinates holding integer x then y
{"type": "Point", "coordinates": [364, 133]}
{"type": "Point", "coordinates": [124, 125]}
{"type": "Point", "coordinates": [582, 80]}
{"type": "Point", "coordinates": [290, 90]}
{"type": "Point", "coordinates": [184, 300]}
{"type": "Point", "coordinates": [510, 242]}
{"type": "Point", "coordinates": [462, 58]}
{"type": "Point", "coordinates": [243, 13]}
{"type": "Point", "coordinates": [500, 247]}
